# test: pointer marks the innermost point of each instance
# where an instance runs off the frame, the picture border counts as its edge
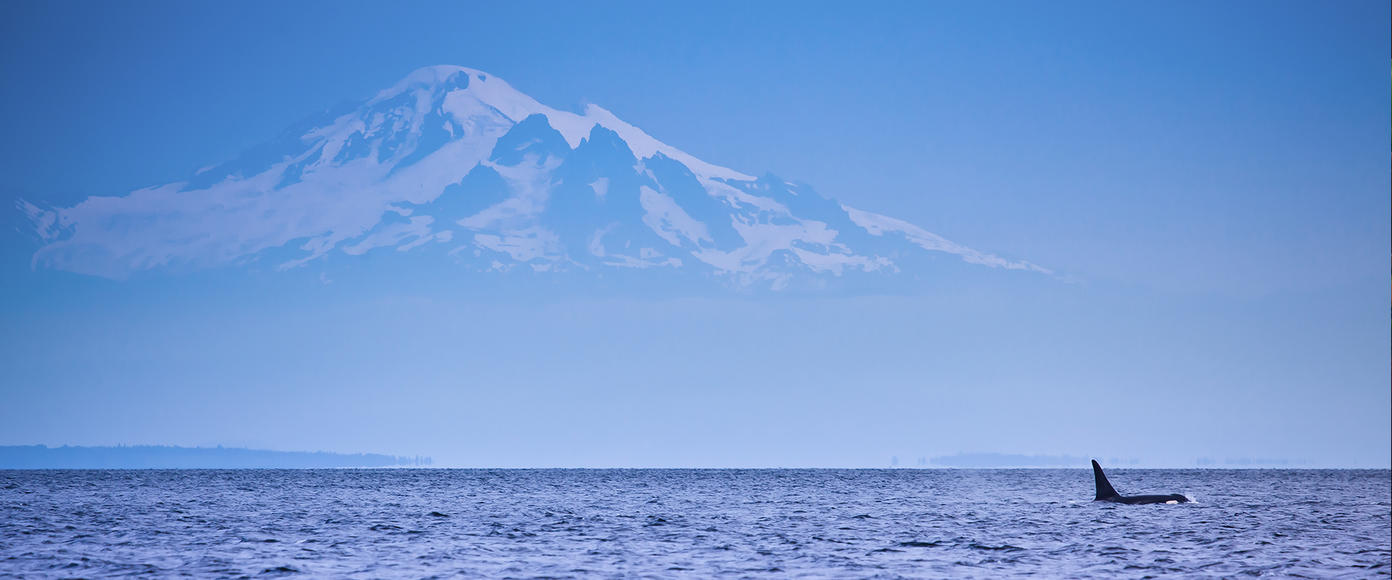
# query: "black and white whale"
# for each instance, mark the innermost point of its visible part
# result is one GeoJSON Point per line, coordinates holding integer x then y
{"type": "Point", "coordinates": [1105, 492]}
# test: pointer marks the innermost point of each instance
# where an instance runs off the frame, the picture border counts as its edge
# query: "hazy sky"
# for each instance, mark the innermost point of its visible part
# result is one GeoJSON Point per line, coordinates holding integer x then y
{"type": "Point", "coordinates": [1210, 182]}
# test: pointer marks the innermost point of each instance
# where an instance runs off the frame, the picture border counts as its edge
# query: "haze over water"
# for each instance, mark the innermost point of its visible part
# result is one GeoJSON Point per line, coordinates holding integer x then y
{"type": "Point", "coordinates": [692, 523]}
{"type": "Point", "coordinates": [699, 235]}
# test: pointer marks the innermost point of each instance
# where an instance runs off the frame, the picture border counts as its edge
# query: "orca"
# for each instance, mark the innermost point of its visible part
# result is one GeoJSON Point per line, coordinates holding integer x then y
{"type": "Point", "coordinates": [1105, 492]}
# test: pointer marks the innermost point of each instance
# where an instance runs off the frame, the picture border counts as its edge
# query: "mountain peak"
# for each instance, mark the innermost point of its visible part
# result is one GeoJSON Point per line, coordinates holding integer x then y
{"type": "Point", "coordinates": [435, 75]}
{"type": "Point", "coordinates": [457, 159]}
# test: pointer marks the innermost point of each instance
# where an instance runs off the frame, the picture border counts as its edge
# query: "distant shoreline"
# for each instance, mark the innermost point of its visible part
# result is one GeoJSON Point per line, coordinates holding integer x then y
{"type": "Point", "coordinates": [174, 457]}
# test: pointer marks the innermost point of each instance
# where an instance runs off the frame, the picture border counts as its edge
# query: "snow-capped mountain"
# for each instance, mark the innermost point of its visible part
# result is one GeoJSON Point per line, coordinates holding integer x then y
{"type": "Point", "coordinates": [457, 161]}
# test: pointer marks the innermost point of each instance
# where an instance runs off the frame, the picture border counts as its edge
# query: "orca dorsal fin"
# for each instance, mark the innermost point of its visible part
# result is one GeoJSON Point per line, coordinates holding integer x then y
{"type": "Point", "coordinates": [1104, 487]}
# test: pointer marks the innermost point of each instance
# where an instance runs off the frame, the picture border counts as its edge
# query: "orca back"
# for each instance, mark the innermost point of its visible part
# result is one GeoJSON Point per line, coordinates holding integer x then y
{"type": "Point", "coordinates": [1104, 487]}
{"type": "Point", "coordinates": [1149, 499]}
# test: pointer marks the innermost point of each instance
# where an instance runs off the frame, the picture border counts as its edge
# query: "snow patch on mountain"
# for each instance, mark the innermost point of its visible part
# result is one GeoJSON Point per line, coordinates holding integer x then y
{"type": "Point", "coordinates": [880, 225]}
{"type": "Point", "coordinates": [665, 217]}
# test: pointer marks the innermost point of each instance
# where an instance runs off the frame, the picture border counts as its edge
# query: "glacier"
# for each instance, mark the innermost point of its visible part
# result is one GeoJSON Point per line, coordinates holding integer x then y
{"type": "Point", "coordinates": [457, 159]}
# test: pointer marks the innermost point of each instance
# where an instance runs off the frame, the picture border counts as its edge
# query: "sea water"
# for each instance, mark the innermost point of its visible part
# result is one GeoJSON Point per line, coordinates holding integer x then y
{"type": "Point", "coordinates": [691, 523]}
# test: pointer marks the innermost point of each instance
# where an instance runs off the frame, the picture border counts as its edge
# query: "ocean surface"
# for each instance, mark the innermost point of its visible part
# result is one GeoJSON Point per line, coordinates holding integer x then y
{"type": "Point", "coordinates": [691, 523]}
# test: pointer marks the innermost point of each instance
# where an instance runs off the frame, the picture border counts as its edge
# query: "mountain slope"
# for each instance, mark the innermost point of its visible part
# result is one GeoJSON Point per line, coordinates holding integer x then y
{"type": "Point", "coordinates": [457, 159]}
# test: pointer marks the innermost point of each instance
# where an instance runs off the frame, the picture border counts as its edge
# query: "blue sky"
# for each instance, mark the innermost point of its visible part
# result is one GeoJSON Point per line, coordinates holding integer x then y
{"type": "Point", "coordinates": [1209, 182]}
